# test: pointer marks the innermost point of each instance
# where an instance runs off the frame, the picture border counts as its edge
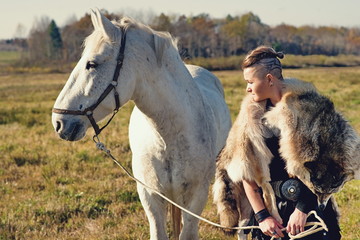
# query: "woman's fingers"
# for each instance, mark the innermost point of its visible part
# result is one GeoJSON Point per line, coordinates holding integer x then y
{"type": "Point", "coordinates": [278, 233]}
{"type": "Point", "coordinates": [271, 227]}
{"type": "Point", "coordinates": [294, 230]}
{"type": "Point", "coordinates": [290, 229]}
{"type": "Point", "coordinates": [275, 232]}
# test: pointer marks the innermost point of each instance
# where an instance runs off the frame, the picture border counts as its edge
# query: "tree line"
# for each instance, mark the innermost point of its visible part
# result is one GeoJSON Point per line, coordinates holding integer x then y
{"type": "Point", "coordinates": [199, 36]}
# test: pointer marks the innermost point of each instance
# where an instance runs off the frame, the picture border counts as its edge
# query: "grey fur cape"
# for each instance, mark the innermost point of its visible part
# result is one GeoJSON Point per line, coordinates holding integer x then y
{"type": "Point", "coordinates": [318, 145]}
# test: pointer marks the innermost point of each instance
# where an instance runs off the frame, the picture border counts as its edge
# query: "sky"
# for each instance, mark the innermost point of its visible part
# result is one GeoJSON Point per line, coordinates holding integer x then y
{"type": "Point", "coordinates": [25, 13]}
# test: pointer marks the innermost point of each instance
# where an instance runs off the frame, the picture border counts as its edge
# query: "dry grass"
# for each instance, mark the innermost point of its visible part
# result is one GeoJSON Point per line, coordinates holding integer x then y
{"type": "Point", "coordinates": [52, 189]}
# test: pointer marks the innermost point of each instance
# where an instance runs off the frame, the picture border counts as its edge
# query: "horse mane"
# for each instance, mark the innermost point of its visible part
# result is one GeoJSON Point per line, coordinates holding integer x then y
{"type": "Point", "coordinates": [131, 23]}
{"type": "Point", "coordinates": [97, 38]}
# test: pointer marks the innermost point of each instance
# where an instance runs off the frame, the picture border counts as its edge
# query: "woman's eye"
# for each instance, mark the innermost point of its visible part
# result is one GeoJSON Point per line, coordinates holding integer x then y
{"type": "Point", "coordinates": [90, 65]}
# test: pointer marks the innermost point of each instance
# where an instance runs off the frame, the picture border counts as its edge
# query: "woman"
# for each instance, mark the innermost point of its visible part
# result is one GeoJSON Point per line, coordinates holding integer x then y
{"type": "Point", "coordinates": [251, 156]}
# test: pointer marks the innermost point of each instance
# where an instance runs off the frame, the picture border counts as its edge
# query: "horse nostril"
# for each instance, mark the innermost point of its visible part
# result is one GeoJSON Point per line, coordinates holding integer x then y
{"type": "Point", "coordinates": [58, 126]}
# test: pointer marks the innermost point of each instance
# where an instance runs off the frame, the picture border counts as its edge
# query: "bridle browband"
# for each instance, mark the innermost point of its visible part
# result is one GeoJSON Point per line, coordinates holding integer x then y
{"type": "Point", "coordinates": [112, 86]}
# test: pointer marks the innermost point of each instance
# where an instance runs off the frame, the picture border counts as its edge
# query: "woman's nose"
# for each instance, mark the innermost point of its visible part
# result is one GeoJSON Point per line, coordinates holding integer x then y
{"type": "Point", "coordinates": [248, 87]}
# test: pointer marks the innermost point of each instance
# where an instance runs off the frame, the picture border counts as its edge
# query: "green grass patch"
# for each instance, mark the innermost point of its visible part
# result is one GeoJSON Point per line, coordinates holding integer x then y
{"type": "Point", "coordinates": [128, 196]}
{"type": "Point", "coordinates": [9, 57]}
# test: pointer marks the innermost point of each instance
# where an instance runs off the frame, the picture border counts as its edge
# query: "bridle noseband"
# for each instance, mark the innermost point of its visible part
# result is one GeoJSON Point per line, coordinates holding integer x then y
{"type": "Point", "coordinates": [112, 86]}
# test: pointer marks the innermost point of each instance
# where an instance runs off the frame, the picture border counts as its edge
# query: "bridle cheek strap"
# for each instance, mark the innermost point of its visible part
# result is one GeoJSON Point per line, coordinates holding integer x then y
{"type": "Point", "coordinates": [88, 112]}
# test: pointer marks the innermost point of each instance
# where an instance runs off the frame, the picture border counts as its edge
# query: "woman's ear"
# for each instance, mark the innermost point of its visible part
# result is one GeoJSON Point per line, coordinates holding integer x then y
{"type": "Point", "coordinates": [270, 79]}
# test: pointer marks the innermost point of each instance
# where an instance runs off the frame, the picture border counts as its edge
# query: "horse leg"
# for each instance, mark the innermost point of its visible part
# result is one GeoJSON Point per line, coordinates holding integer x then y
{"type": "Point", "coordinates": [155, 209]}
{"type": "Point", "coordinates": [175, 214]}
{"type": "Point", "coordinates": [197, 202]}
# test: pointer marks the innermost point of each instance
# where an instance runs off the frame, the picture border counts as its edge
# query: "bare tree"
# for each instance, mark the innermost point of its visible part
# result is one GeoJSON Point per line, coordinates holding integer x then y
{"type": "Point", "coordinates": [38, 40]}
{"type": "Point", "coordinates": [20, 31]}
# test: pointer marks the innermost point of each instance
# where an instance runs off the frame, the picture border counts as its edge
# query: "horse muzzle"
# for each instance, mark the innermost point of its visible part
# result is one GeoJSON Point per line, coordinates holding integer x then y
{"type": "Point", "coordinates": [70, 129]}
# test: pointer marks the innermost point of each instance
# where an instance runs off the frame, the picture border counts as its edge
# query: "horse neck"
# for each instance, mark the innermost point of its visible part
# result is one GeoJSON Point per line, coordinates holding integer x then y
{"type": "Point", "coordinates": [169, 97]}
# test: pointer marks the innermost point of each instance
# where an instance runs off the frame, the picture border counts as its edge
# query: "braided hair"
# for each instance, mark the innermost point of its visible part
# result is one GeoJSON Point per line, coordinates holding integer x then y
{"type": "Point", "coordinates": [266, 57]}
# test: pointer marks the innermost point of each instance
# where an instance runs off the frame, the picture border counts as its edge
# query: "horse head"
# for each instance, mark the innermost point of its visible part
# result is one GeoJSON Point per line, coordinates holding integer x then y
{"type": "Point", "coordinates": [116, 60]}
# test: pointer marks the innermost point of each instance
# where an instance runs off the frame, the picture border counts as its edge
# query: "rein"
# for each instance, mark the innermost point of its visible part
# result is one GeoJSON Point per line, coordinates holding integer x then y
{"type": "Point", "coordinates": [316, 226]}
{"type": "Point", "coordinates": [112, 86]}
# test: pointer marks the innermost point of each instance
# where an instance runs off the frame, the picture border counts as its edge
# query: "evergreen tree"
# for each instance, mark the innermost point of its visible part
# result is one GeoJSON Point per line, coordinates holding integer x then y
{"type": "Point", "coordinates": [56, 44]}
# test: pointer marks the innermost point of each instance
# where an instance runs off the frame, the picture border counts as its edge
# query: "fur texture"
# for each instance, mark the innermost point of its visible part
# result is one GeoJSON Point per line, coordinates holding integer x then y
{"type": "Point", "coordinates": [318, 145]}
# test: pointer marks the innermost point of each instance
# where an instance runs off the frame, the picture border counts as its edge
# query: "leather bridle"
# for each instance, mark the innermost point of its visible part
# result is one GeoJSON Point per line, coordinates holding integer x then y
{"type": "Point", "coordinates": [112, 86]}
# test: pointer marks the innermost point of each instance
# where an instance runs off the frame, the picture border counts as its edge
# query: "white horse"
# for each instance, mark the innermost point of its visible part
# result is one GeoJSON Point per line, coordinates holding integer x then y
{"type": "Point", "coordinates": [177, 128]}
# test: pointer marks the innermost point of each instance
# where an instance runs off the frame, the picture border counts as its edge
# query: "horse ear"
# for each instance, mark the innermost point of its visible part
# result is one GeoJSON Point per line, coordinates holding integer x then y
{"type": "Point", "coordinates": [103, 23]}
{"type": "Point", "coordinates": [94, 19]}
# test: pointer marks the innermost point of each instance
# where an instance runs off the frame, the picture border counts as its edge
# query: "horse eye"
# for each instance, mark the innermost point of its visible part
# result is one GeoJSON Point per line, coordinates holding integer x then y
{"type": "Point", "coordinates": [91, 65]}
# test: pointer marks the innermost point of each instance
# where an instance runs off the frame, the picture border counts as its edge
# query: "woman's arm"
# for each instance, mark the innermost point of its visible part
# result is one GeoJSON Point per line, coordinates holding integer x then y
{"type": "Point", "coordinates": [269, 225]}
{"type": "Point", "coordinates": [253, 193]}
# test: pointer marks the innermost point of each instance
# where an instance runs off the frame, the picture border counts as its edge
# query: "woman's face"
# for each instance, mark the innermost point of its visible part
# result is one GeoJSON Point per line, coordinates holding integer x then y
{"type": "Point", "coordinates": [258, 84]}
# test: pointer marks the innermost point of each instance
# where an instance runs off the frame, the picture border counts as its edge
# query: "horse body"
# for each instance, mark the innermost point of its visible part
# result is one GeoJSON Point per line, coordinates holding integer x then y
{"type": "Point", "coordinates": [178, 126]}
{"type": "Point", "coordinates": [176, 157]}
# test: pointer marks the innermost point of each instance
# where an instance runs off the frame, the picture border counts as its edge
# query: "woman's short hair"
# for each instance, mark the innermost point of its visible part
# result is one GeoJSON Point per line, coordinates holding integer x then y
{"type": "Point", "coordinates": [266, 57]}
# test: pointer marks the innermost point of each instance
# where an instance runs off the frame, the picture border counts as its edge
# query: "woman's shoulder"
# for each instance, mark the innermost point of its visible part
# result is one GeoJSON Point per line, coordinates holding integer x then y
{"type": "Point", "coordinates": [297, 86]}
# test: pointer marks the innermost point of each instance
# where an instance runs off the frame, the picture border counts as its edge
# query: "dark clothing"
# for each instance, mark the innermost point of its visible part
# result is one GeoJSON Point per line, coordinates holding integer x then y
{"type": "Point", "coordinates": [306, 202]}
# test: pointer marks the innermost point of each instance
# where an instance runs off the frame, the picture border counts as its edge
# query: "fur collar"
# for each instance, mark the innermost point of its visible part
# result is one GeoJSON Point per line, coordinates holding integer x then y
{"type": "Point", "coordinates": [246, 153]}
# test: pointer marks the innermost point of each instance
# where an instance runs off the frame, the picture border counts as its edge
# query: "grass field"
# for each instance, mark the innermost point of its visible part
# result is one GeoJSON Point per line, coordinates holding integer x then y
{"type": "Point", "coordinates": [53, 189]}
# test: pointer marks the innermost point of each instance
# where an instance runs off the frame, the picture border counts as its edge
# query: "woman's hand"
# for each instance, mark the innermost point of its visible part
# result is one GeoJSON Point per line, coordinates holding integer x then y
{"type": "Point", "coordinates": [271, 227]}
{"type": "Point", "coordinates": [268, 225]}
{"type": "Point", "coordinates": [296, 222]}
